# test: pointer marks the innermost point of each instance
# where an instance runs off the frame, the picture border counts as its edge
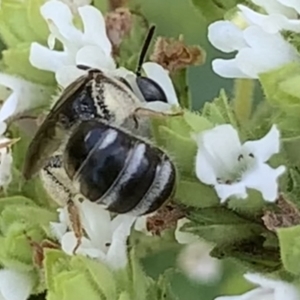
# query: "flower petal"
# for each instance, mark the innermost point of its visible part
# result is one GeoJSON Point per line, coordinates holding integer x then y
{"type": "Point", "coordinates": [255, 294]}
{"type": "Point", "coordinates": [227, 68]}
{"type": "Point", "coordinates": [3, 127]}
{"type": "Point", "coordinates": [15, 285]}
{"type": "Point", "coordinates": [117, 252]}
{"type": "Point", "coordinates": [157, 73]}
{"type": "Point", "coordinates": [61, 21]}
{"type": "Point", "coordinates": [69, 241]}
{"type": "Point", "coordinates": [45, 59]}
{"type": "Point", "coordinates": [95, 57]}
{"type": "Point", "coordinates": [6, 161]}
{"type": "Point", "coordinates": [58, 229]}
{"type": "Point", "coordinates": [159, 106]}
{"type": "Point", "coordinates": [264, 179]}
{"type": "Point", "coordinates": [275, 7]}
{"type": "Point", "coordinates": [205, 171]}
{"type": "Point", "coordinates": [269, 23]}
{"type": "Point", "coordinates": [68, 74]}
{"type": "Point", "coordinates": [226, 191]}
{"type": "Point", "coordinates": [267, 52]}
{"type": "Point", "coordinates": [294, 4]}
{"type": "Point", "coordinates": [196, 262]}
{"type": "Point", "coordinates": [96, 222]}
{"type": "Point", "coordinates": [226, 36]}
{"type": "Point", "coordinates": [9, 106]}
{"type": "Point", "coordinates": [218, 152]}
{"type": "Point", "coordinates": [264, 148]}
{"type": "Point", "coordinates": [94, 28]}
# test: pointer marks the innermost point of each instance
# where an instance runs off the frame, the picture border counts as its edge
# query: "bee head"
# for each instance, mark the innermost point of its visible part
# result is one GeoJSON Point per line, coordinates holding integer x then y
{"type": "Point", "coordinates": [149, 88]}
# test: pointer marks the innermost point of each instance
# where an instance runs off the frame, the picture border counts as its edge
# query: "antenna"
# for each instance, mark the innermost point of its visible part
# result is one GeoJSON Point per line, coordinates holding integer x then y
{"type": "Point", "coordinates": [144, 50]}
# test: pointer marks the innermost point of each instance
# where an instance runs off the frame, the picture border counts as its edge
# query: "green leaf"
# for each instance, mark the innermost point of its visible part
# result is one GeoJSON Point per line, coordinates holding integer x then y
{"type": "Point", "coordinates": [16, 251]}
{"type": "Point", "coordinates": [280, 85]}
{"type": "Point", "coordinates": [220, 111]}
{"type": "Point", "coordinates": [36, 21]}
{"type": "Point", "coordinates": [139, 279]}
{"type": "Point", "coordinates": [17, 62]}
{"type": "Point", "coordinates": [289, 240]}
{"type": "Point", "coordinates": [164, 291]}
{"type": "Point", "coordinates": [13, 18]}
{"type": "Point", "coordinates": [33, 215]}
{"type": "Point", "coordinates": [55, 261]}
{"type": "Point", "coordinates": [99, 275]}
{"type": "Point", "coordinates": [197, 122]}
{"type": "Point", "coordinates": [179, 80]}
{"type": "Point", "coordinates": [76, 286]}
{"type": "Point", "coordinates": [214, 10]}
{"type": "Point", "coordinates": [15, 200]}
{"type": "Point", "coordinates": [252, 254]}
{"type": "Point", "coordinates": [196, 194]}
{"type": "Point", "coordinates": [124, 296]}
{"type": "Point", "coordinates": [183, 150]}
{"type": "Point", "coordinates": [221, 226]}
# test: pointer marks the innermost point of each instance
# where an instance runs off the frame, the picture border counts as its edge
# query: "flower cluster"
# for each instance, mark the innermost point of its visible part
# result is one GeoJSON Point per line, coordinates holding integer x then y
{"type": "Point", "coordinates": [257, 38]}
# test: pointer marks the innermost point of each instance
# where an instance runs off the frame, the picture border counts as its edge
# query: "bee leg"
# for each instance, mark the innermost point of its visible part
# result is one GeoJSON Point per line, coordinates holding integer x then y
{"type": "Point", "coordinates": [75, 223]}
{"type": "Point", "coordinates": [146, 112]}
{"type": "Point", "coordinates": [60, 187]}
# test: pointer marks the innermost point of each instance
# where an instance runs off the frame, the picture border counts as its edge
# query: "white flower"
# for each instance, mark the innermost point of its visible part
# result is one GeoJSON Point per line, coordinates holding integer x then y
{"type": "Point", "coordinates": [232, 167]}
{"type": "Point", "coordinates": [91, 44]}
{"type": "Point", "coordinates": [196, 262]}
{"type": "Point", "coordinates": [194, 259]}
{"type": "Point", "coordinates": [18, 96]}
{"type": "Point", "coordinates": [268, 290]}
{"type": "Point", "coordinates": [15, 285]}
{"type": "Point", "coordinates": [105, 237]}
{"type": "Point", "coordinates": [257, 39]}
{"type": "Point", "coordinates": [90, 48]}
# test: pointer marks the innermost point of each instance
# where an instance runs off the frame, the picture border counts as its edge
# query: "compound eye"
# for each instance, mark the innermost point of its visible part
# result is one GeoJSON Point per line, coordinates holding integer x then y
{"type": "Point", "coordinates": [151, 90]}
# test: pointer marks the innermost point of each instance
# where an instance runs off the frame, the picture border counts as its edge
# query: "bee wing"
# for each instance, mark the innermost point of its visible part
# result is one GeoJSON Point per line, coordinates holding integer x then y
{"type": "Point", "coordinates": [51, 133]}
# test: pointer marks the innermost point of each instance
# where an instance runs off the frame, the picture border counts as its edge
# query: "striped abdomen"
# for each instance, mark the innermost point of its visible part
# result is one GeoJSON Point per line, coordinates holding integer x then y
{"type": "Point", "coordinates": [119, 170]}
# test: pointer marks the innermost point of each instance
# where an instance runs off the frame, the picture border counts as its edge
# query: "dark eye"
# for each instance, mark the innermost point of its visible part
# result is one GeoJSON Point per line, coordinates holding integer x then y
{"type": "Point", "coordinates": [151, 90]}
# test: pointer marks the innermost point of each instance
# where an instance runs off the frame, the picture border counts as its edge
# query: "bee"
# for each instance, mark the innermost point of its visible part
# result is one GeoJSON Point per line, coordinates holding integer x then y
{"type": "Point", "coordinates": [82, 147]}
{"type": "Point", "coordinates": [94, 95]}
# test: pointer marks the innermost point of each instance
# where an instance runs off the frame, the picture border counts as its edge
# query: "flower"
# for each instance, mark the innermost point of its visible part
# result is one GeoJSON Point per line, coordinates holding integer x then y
{"type": "Point", "coordinates": [269, 289]}
{"type": "Point", "coordinates": [232, 167]}
{"type": "Point", "coordinates": [14, 285]}
{"type": "Point", "coordinates": [194, 259]}
{"type": "Point", "coordinates": [257, 39]}
{"type": "Point", "coordinates": [18, 96]}
{"type": "Point", "coordinates": [90, 48]}
{"type": "Point", "coordinates": [196, 262]}
{"type": "Point", "coordinates": [105, 237]}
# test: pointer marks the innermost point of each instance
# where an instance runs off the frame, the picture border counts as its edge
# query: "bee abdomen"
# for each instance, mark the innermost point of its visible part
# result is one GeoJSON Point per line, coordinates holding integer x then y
{"type": "Point", "coordinates": [121, 171]}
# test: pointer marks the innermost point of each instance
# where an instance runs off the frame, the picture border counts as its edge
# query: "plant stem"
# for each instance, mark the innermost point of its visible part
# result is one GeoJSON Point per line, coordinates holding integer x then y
{"type": "Point", "coordinates": [243, 99]}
